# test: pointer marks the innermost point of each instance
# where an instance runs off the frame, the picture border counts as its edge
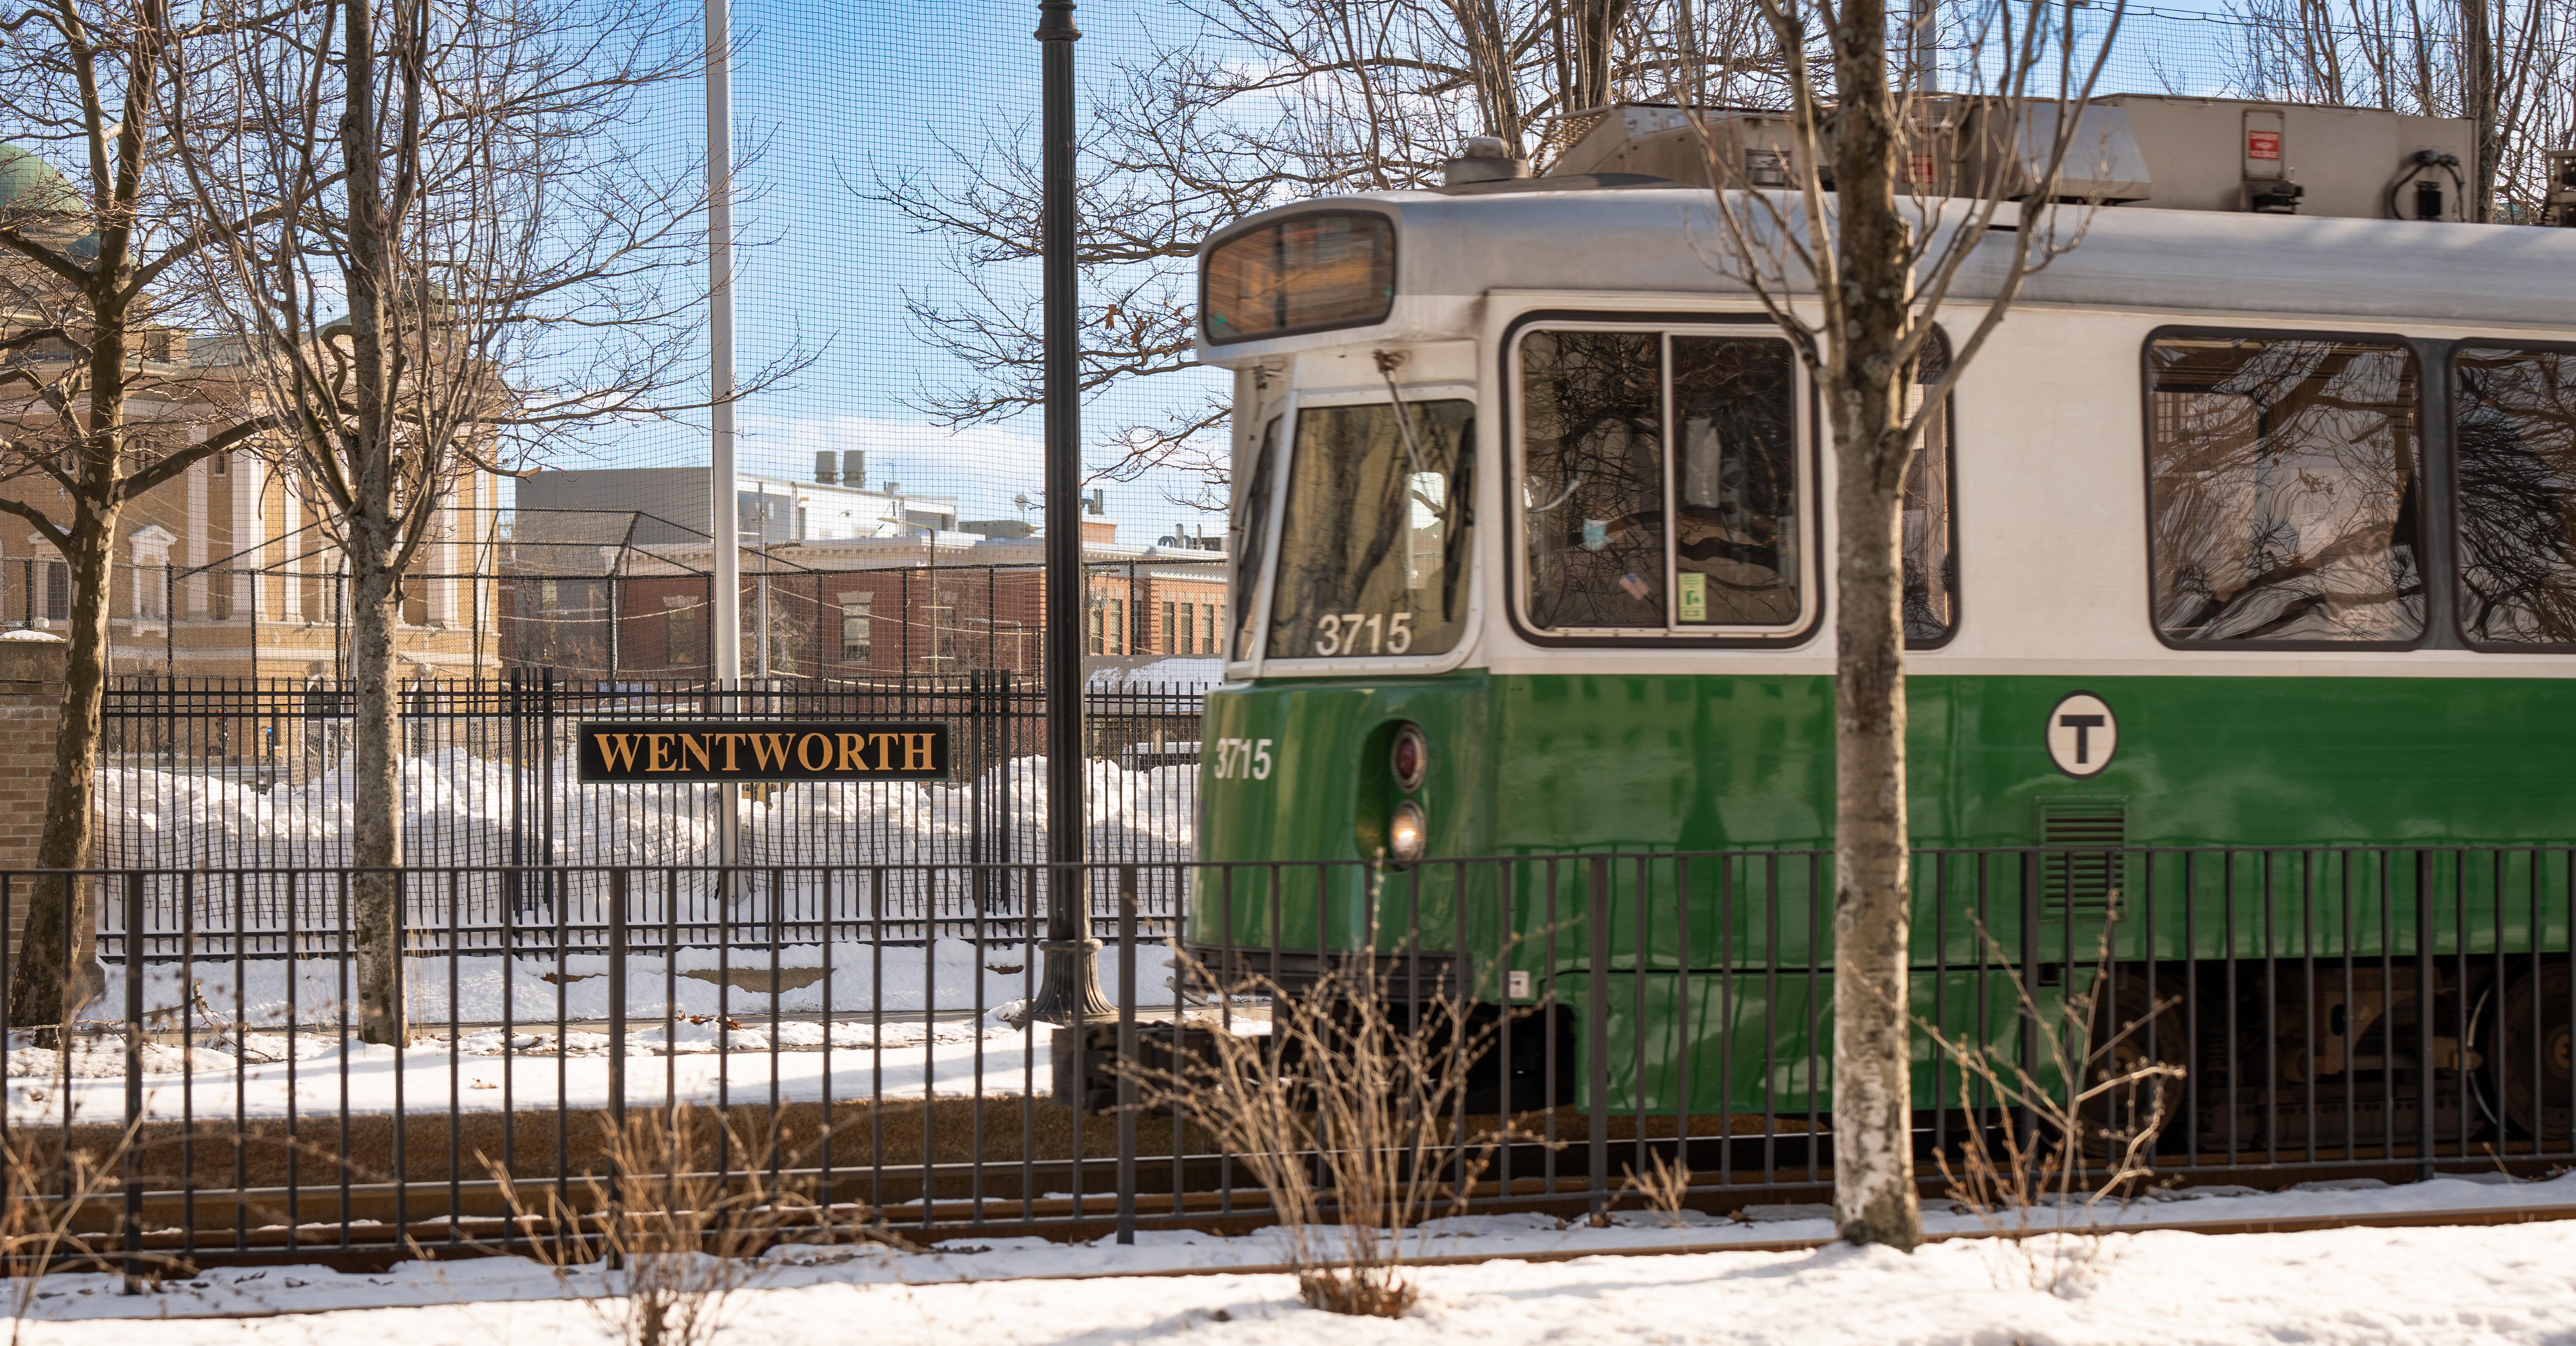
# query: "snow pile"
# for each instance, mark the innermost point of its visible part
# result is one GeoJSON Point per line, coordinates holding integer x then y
{"type": "Point", "coordinates": [1175, 676]}
{"type": "Point", "coordinates": [102, 1058]}
{"type": "Point", "coordinates": [745, 984]}
{"type": "Point", "coordinates": [458, 810]}
{"type": "Point", "coordinates": [708, 1065]}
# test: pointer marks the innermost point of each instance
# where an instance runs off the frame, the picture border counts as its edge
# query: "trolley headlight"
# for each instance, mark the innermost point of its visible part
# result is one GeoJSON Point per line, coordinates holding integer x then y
{"type": "Point", "coordinates": [1408, 833]}
{"type": "Point", "coordinates": [1409, 757]}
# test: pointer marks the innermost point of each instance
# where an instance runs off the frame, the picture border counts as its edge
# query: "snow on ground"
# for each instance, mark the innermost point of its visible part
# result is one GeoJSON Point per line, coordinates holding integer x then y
{"type": "Point", "coordinates": [862, 977]}
{"type": "Point", "coordinates": [886, 1038]}
{"type": "Point", "coordinates": [2501, 1284]}
{"type": "Point", "coordinates": [950, 1060]}
{"type": "Point", "coordinates": [457, 811]}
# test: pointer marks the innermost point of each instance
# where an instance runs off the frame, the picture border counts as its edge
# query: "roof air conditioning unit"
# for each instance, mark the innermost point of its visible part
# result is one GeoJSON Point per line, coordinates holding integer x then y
{"type": "Point", "coordinates": [2561, 201]}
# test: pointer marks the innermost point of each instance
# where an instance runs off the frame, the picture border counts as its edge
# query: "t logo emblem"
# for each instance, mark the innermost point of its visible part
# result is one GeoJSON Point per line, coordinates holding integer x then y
{"type": "Point", "coordinates": [2081, 734]}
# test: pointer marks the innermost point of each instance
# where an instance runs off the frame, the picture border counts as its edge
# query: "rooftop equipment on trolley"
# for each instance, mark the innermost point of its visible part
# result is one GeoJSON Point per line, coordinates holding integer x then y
{"type": "Point", "coordinates": [2561, 206]}
{"type": "Point", "coordinates": [2160, 151]}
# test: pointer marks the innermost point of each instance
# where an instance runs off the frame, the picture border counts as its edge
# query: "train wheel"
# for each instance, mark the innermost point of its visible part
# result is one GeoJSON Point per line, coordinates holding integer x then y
{"type": "Point", "coordinates": [2529, 1057]}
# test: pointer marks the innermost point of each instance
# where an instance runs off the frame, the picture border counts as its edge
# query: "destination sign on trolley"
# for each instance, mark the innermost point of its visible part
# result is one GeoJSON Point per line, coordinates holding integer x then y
{"type": "Point", "coordinates": [672, 752]}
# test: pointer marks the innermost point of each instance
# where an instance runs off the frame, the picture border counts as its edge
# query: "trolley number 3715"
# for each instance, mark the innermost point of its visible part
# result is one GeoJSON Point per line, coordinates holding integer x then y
{"type": "Point", "coordinates": [1243, 759]}
{"type": "Point", "coordinates": [1386, 633]}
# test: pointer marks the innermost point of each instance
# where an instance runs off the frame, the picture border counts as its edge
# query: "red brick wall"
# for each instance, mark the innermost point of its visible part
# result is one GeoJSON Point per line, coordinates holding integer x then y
{"type": "Point", "coordinates": [31, 698]}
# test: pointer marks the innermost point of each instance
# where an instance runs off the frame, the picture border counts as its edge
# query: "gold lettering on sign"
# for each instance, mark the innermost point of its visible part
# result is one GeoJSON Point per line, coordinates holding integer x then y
{"type": "Point", "coordinates": [693, 745]}
{"type": "Point", "coordinates": [661, 755]}
{"type": "Point", "coordinates": [916, 752]}
{"type": "Point", "coordinates": [731, 742]}
{"type": "Point", "coordinates": [618, 750]}
{"type": "Point", "coordinates": [854, 752]}
{"type": "Point", "coordinates": [885, 749]}
{"type": "Point", "coordinates": [769, 751]}
{"type": "Point", "coordinates": [806, 761]}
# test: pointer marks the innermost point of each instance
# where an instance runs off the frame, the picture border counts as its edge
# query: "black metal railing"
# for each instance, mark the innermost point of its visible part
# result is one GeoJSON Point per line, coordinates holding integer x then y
{"type": "Point", "coordinates": [2331, 1011]}
{"type": "Point", "coordinates": [235, 776]}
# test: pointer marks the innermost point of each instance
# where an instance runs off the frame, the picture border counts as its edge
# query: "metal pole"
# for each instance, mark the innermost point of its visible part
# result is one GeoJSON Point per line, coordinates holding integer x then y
{"type": "Point", "coordinates": [1127, 1057]}
{"type": "Point", "coordinates": [131, 1227]}
{"type": "Point", "coordinates": [760, 601]}
{"type": "Point", "coordinates": [1069, 988]}
{"type": "Point", "coordinates": [1924, 53]}
{"type": "Point", "coordinates": [1596, 1031]}
{"type": "Point", "coordinates": [619, 946]}
{"type": "Point", "coordinates": [724, 624]}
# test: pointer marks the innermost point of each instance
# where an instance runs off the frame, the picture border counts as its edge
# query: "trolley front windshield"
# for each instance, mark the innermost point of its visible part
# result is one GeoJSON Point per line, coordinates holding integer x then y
{"type": "Point", "coordinates": [1373, 534]}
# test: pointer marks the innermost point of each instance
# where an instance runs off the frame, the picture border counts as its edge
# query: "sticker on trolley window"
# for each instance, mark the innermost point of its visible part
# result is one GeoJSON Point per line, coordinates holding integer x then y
{"type": "Point", "coordinates": [1596, 534]}
{"type": "Point", "coordinates": [2082, 734]}
{"type": "Point", "coordinates": [1693, 596]}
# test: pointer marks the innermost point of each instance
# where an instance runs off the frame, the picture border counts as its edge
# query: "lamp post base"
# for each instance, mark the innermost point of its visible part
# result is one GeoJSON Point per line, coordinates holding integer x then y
{"type": "Point", "coordinates": [1069, 984]}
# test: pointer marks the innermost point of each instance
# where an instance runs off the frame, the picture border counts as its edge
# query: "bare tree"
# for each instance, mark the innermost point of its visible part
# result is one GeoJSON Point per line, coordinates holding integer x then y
{"type": "Point", "coordinates": [2507, 65]}
{"type": "Point", "coordinates": [1270, 101]}
{"type": "Point", "coordinates": [1892, 192]}
{"type": "Point", "coordinates": [475, 188]}
{"type": "Point", "coordinates": [91, 324]}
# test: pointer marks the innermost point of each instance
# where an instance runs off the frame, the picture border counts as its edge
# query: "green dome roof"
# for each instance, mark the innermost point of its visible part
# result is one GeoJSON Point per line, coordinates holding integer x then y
{"type": "Point", "coordinates": [29, 183]}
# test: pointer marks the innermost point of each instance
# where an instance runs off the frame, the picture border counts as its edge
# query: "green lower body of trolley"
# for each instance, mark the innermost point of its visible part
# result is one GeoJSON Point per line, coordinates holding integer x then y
{"type": "Point", "coordinates": [2327, 862]}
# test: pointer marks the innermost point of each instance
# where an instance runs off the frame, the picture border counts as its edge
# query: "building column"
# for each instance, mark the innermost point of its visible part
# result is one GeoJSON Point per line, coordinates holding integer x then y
{"type": "Point", "coordinates": [290, 521]}
{"type": "Point", "coordinates": [442, 562]}
{"type": "Point", "coordinates": [192, 595]}
{"type": "Point", "coordinates": [247, 517]}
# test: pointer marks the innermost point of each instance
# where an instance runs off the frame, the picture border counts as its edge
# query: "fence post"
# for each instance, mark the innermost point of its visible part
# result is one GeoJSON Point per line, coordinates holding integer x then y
{"type": "Point", "coordinates": [1596, 1036]}
{"type": "Point", "coordinates": [133, 1221]}
{"type": "Point", "coordinates": [2027, 1001]}
{"type": "Point", "coordinates": [2424, 973]}
{"type": "Point", "coordinates": [617, 947]}
{"type": "Point", "coordinates": [1127, 1054]}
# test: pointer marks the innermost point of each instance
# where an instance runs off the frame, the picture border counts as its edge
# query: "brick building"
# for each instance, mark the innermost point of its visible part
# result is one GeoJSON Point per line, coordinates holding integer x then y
{"type": "Point", "coordinates": [936, 602]}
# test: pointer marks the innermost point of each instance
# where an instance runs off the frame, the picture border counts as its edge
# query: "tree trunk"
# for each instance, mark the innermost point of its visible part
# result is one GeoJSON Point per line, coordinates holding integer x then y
{"type": "Point", "coordinates": [2478, 104]}
{"type": "Point", "coordinates": [372, 531]}
{"type": "Point", "coordinates": [1865, 386]}
{"type": "Point", "coordinates": [375, 891]}
{"type": "Point", "coordinates": [47, 987]}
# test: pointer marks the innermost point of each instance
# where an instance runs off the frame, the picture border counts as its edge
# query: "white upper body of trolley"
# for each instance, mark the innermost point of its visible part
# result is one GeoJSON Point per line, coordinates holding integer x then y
{"type": "Point", "coordinates": [2050, 487]}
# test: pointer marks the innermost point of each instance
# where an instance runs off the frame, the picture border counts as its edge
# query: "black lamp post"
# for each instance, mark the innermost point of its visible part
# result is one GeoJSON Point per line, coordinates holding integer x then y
{"type": "Point", "coordinates": [1068, 988]}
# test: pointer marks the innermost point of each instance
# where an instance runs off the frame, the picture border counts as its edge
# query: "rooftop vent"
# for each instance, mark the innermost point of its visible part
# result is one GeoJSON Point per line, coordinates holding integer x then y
{"type": "Point", "coordinates": [1485, 159]}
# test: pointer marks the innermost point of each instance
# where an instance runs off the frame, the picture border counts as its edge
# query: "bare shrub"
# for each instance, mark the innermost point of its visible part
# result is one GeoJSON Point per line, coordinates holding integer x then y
{"type": "Point", "coordinates": [1347, 1112]}
{"type": "Point", "coordinates": [2074, 1123]}
{"type": "Point", "coordinates": [49, 1198]}
{"type": "Point", "coordinates": [1665, 1185]}
{"type": "Point", "coordinates": [674, 1241]}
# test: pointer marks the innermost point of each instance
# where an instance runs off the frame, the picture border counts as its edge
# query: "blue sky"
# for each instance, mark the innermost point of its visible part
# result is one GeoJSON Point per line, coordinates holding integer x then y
{"type": "Point", "coordinates": [826, 98]}
{"type": "Point", "coordinates": [831, 95]}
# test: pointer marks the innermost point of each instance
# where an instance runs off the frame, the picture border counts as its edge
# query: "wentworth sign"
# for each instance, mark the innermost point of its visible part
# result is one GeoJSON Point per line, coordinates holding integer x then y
{"type": "Point", "coordinates": [666, 752]}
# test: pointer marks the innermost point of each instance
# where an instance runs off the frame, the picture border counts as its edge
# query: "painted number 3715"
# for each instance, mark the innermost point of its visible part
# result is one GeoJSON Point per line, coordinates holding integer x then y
{"type": "Point", "coordinates": [1243, 759]}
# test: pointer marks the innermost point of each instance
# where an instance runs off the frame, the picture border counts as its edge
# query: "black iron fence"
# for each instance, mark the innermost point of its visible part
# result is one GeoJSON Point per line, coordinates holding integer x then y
{"type": "Point", "coordinates": [2313, 1012]}
{"type": "Point", "coordinates": [250, 777]}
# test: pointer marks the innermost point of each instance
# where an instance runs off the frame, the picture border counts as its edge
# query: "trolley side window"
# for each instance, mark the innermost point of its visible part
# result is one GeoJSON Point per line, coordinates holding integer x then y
{"type": "Point", "coordinates": [1663, 486]}
{"type": "Point", "coordinates": [1373, 536]}
{"type": "Point", "coordinates": [1592, 478]}
{"type": "Point", "coordinates": [2284, 490]}
{"type": "Point", "coordinates": [1930, 541]}
{"type": "Point", "coordinates": [1249, 536]}
{"type": "Point", "coordinates": [1737, 545]}
{"type": "Point", "coordinates": [2514, 431]}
